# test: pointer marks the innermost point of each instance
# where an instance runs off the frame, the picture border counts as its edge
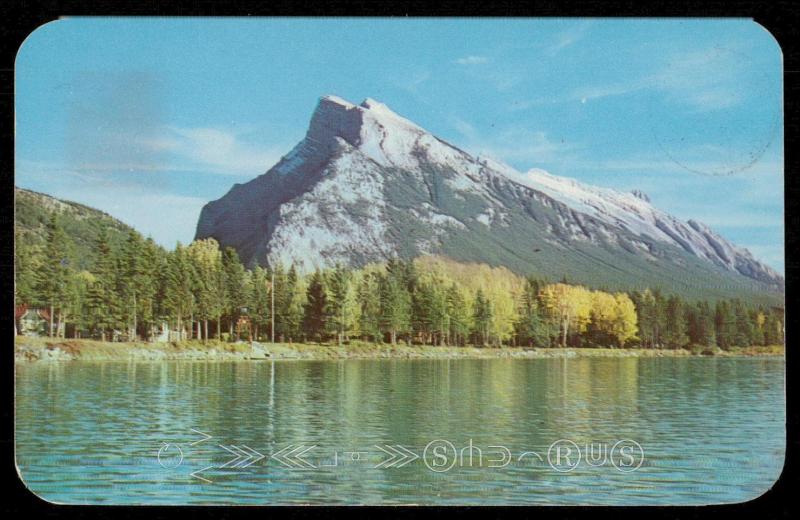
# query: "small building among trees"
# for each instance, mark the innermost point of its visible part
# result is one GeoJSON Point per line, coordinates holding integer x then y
{"type": "Point", "coordinates": [30, 321]}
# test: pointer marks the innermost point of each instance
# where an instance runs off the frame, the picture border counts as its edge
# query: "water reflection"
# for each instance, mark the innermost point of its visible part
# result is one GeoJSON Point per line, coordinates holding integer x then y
{"type": "Point", "coordinates": [713, 429]}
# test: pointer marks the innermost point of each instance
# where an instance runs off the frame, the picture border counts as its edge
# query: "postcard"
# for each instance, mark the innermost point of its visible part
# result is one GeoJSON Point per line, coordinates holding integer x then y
{"type": "Point", "coordinates": [335, 261]}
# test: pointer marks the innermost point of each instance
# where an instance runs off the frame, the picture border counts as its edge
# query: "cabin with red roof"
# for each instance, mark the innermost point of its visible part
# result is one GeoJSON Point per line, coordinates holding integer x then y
{"type": "Point", "coordinates": [31, 321]}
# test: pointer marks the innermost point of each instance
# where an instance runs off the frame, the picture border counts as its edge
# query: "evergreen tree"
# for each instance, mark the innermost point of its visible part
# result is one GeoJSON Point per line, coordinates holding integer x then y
{"type": "Point", "coordinates": [27, 263]}
{"type": "Point", "coordinates": [341, 313]}
{"type": "Point", "coordinates": [460, 316]}
{"type": "Point", "coordinates": [725, 325]}
{"type": "Point", "coordinates": [152, 264]}
{"type": "Point", "coordinates": [482, 318]}
{"type": "Point", "coordinates": [137, 282]}
{"type": "Point", "coordinates": [743, 327]}
{"type": "Point", "coordinates": [369, 294]}
{"type": "Point", "coordinates": [294, 313]}
{"type": "Point", "coordinates": [651, 317]}
{"type": "Point", "coordinates": [206, 260]}
{"type": "Point", "coordinates": [103, 301]}
{"type": "Point", "coordinates": [179, 289]}
{"type": "Point", "coordinates": [54, 272]}
{"type": "Point", "coordinates": [259, 303]}
{"type": "Point", "coordinates": [700, 324]}
{"type": "Point", "coordinates": [316, 312]}
{"type": "Point", "coordinates": [395, 302]}
{"type": "Point", "coordinates": [531, 328]}
{"type": "Point", "coordinates": [235, 295]}
{"type": "Point", "coordinates": [430, 314]}
{"type": "Point", "coordinates": [675, 325]}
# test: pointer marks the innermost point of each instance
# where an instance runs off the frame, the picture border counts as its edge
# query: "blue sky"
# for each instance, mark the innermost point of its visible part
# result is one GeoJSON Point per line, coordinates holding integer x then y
{"type": "Point", "coordinates": [148, 119]}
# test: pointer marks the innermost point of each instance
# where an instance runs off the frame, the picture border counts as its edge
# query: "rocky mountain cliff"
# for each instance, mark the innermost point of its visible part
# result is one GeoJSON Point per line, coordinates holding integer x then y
{"type": "Point", "coordinates": [366, 184]}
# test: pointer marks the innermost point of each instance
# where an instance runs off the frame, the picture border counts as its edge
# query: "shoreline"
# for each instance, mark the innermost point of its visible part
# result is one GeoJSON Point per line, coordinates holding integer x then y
{"type": "Point", "coordinates": [32, 349]}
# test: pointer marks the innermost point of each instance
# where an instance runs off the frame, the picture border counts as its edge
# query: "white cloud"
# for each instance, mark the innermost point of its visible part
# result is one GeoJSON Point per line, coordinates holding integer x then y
{"type": "Point", "coordinates": [148, 208]}
{"type": "Point", "coordinates": [176, 149]}
{"type": "Point", "coordinates": [218, 151]}
{"type": "Point", "coordinates": [519, 145]}
{"type": "Point", "coordinates": [702, 81]}
{"type": "Point", "coordinates": [568, 37]}
{"type": "Point", "coordinates": [472, 60]}
{"type": "Point", "coordinates": [411, 81]}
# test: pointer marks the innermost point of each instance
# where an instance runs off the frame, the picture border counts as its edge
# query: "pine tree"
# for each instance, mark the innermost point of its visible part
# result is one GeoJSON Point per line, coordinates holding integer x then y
{"type": "Point", "coordinates": [153, 263]}
{"type": "Point", "coordinates": [316, 312]}
{"type": "Point", "coordinates": [179, 289]}
{"type": "Point", "coordinates": [422, 313]}
{"type": "Point", "coordinates": [27, 263]}
{"type": "Point", "coordinates": [52, 278]}
{"type": "Point", "coordinates": [701, 325]}
{"type": "Point", "coordinates": [134, 279]}
{"type": "Point", "coordinates": [259, 302]}
{"type": "Point", "coordinates": [482, 317]}
{"type": "Point", "coordinates": [206, 260]}
{"type": "Point", "coordinates": [339, 302]}
{"type": "Point", "coordinates": [675, 325]}
{"type": "Point", "coordinates": [395, 302]}
{"type": "Point", "coordinates": [294, 312]}
{"type": "Point", "coordinates": [370, 298]}
{"type": "Point", "coordinates": [103, 301]}
{"type": "Point", "coordinates": [743, 327]}
{"type": "Point", "coordinates": [531, 328]}
{"type": "Point", "coordinates": [460, 316]}
{"type": "Point", "coordinates": [725, 325]}
{"type": "Point", "coordinates": [235, 291]}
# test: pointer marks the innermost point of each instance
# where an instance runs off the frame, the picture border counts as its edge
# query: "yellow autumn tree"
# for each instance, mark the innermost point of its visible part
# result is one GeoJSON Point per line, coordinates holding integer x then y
{"type": "Point", "coordinates": [570, 306]}
{"type": "Point", "coordinates": [625, 322]}
{"type": "Point", "coordinates": [614, 316]}
{"type": "Point", "coordinates": [499, 285]}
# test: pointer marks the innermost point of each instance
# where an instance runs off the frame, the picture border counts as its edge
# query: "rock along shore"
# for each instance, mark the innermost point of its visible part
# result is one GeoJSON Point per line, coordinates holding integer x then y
{"type": "Point", "coordinates": [29, 349]}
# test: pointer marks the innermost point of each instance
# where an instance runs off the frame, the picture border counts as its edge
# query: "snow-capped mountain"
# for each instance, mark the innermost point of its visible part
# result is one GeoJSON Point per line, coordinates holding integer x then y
{"type": "Point", "coordinates": [366, 184]}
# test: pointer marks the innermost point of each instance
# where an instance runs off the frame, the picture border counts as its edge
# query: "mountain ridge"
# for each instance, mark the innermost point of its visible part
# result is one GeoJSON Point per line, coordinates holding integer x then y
{"type": "Point", "coordinates": [366, 184]}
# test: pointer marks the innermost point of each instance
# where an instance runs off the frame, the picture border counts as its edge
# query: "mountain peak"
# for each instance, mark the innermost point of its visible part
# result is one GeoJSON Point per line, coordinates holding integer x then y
{"type": "Point", "coordinates": [336, 100]}
{"type": "Point", "coordinates": [366, 184]}
{"type": "Point", "coordinates": [371, 127]}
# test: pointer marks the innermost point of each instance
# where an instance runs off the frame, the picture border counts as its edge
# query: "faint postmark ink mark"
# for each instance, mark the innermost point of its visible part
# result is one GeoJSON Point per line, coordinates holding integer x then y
{"type": "Point", "coordinates": [707, 86]}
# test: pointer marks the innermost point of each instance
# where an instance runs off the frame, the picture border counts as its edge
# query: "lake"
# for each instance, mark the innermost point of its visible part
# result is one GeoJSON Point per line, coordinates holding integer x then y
{"type": "Point", "coordinates": [495, 431]}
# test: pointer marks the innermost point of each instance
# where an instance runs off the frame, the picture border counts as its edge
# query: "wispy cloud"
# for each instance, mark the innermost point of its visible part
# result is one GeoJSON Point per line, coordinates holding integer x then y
{"type": "Point", "coordinates": [568, 37]}
{"type": "Point", "coordinates": [702, 81]}
{"type": "Point", "coordinates": [218, 150]}
{"type": "Point", "coordinates": [180, 149]}
{"type": "Point", "coordinates": [472, 60]}
{"type": "Point", "coordinates": [513, 144]}
{"type": "Point", "coordinates": [411, 81]}
{"type": "Point", "coordinates": [151, 208]}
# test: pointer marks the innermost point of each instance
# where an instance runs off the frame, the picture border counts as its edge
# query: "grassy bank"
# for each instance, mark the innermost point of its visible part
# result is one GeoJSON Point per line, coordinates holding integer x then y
{"type": "Point", "coordinates": [44, 349]}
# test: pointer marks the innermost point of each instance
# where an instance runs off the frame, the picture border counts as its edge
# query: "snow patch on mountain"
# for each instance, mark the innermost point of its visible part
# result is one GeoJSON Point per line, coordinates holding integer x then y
{"type": "Point", "coordinates": [329, 198]}
{"type": "Point", "coordinates": [331, 222]}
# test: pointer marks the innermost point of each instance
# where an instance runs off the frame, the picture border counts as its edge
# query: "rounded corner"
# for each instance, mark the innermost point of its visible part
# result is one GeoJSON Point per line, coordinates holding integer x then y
{"type": "Point", "coordinates": [771, 35]}
{"type": "Point", "coordinates": [759, 496]}
{"type": "Point", "coordinates": [29, 37]}
{"type": "Point", "coordinates": [30, 490]}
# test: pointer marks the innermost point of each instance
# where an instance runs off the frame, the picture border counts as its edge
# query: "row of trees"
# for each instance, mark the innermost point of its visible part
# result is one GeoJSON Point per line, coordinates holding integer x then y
{"type": "Point", "coordinates": [202, 292]}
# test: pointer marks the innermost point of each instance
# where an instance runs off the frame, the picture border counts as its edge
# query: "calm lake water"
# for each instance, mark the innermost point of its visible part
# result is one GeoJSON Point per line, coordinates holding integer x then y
{"type": "Point", "coordinates": [712, 431]}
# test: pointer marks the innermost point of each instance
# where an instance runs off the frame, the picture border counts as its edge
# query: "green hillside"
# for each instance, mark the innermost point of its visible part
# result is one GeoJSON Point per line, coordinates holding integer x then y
{"type": "Point", "coordinates": [81, 223]}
